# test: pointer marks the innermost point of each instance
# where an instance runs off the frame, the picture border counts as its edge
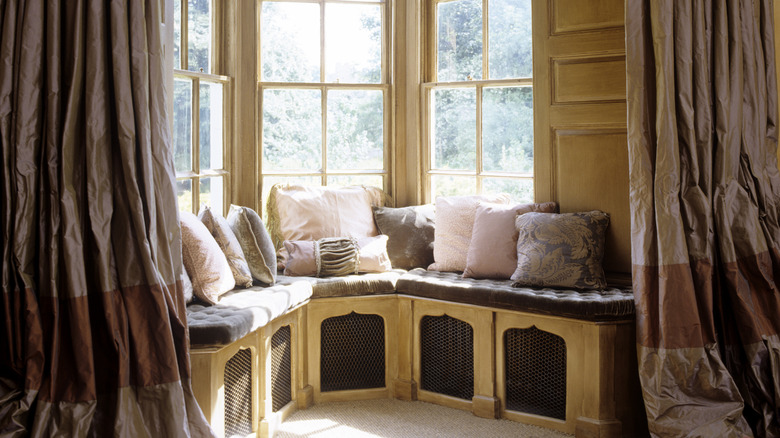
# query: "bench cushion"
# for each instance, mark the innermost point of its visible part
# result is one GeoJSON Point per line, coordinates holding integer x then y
{"type": "Point", "coordinates": [351, 285]}
{"type": "Point", "coordinates": [242, 311]}
{"type": "Point", "coordinates": [606, 305]}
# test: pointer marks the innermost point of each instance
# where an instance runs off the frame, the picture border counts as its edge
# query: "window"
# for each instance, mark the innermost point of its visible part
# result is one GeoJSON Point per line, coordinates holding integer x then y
{"type": "Point", "coordinates": [199, 101]}
{"type": "Point", "coordinates": [323, 87]}
{"type": "Point", "coordinates": [479, 99]}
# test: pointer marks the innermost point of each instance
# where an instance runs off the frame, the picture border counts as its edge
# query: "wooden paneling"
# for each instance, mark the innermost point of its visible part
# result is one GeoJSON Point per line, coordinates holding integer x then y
{"type": "Point", "coordinates": [598, 158]}
{"type": "Point", "coordinates": [591, 79]}
{"type": "Point", "coordinates": [581, 149]}
{"type": "Point", "coordinates": [584, 15]}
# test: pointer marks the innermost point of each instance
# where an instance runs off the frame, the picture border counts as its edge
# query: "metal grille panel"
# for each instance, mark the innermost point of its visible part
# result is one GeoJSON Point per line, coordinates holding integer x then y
{"type": "Point", "coordinates": [535, 372]}
{"type": "Point", "coordinates": [238, 394]}
{"type": "Point", "coordinates": [447, 356]}
{"type": "Point", "coordinates": [281, 364]}
{"type": "Point", "coordinates": [352, 352]}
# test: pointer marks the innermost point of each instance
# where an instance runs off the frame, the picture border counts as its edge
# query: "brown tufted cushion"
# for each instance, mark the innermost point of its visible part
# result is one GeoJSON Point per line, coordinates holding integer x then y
{"type": "Point", "coordinates": [605, 305]}
{"type": "Point", "coordinates": [242, 311]}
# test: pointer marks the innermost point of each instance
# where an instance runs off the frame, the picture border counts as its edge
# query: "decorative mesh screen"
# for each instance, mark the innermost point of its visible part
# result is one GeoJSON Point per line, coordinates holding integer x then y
{"type": "Point", "coordinates": [281, 378]}
{"type": "Point", "coordinates": [238, 394]}
{"type": "Point", "coordinates": [447, 356]}
{"type": "Point", "coordinates": [352, 352]}
{"type": "Point", "coordinates": [535, 372]}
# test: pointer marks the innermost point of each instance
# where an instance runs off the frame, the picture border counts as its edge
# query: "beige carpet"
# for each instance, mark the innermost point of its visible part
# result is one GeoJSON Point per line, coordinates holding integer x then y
{"type": "Point", "coordinates": [395, 418]}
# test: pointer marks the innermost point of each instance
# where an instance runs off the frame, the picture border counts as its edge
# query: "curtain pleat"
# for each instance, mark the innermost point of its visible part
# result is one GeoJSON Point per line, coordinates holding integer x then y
{"type": "Point", "coordinates": [702, 121]}
{"type": "Point", "coordinates": [95, 340]}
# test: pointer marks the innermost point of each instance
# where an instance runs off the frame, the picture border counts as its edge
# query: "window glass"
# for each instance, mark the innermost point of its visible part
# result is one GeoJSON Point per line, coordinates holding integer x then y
{"type": "Point", "coordinates": [199, 29]}
{"type": "Point", "coordinates": [290, 42]}
{"type": "Point", "coordinates": [353, 43]}
{"type": "Point", "coordinates": [211, 125]}
{"type": "Point", "coordinates": [292, 129]}
{"type": "Point", "coordinates": [510, 50]}
{"type": "Point", "coordinates": [521, 190]}
{"type": "Point", "coordinates": [212, 193]}
{"type": "Point", "coordinates": [184, 194]}
{"type": "Point", "coordinates": [508, 129]}
{"type": "Point", "coordinates": [459, 40]}
{"type": "Point", "coordinates": [455, 128]}
{"type": "Point", "coordinates": [356, 180]}
{"type": "Point", "coordinates": [182, 125]}
{"type": "Point", "coordinates": [450, 185]}
{"type": "Point", "coordinates": [355, 129]}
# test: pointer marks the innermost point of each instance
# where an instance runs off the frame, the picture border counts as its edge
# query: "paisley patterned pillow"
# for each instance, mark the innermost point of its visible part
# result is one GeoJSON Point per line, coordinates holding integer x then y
{"type": "Point", "coordinates": [561, 250]}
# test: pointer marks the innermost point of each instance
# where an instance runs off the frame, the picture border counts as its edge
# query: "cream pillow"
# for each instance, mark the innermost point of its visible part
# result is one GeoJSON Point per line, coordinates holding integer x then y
{"type": "Point", "coordinates": [373, 254]}
{"type": "Point", "coordinates": [219, 228]}
{"type": "Point", "coordinates": [302, 256]}
{"type": "Point", "coordinates": [204, 261]}
{"type": "Point", "coordinates": [311, 213]}
{"type": "Point", "coordinates": [454, 222]}
{"type": "Point", "coordinates": [493, 248]}
{"type": "Point", "coordinates": [255, 242]}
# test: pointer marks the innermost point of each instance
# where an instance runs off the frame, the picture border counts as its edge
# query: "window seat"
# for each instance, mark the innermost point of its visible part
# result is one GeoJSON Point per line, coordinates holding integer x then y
{"type": "Point", "coordinates": [305, 340]}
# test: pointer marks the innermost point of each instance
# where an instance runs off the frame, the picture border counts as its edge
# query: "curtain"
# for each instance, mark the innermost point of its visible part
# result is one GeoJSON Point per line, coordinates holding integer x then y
{"type": "Point", "coordinates": [705, 210]}
{"type": "Point", "coordinates": [94, 339]}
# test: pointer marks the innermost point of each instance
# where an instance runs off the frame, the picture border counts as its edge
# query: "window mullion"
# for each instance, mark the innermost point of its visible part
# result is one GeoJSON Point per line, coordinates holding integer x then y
{"type": "Point", "coordinates": [479, 138]}
{"type": "Point", "coordinates": [485, 41]}
{"type": "Point", "coordinates": [196, 141]}
{"type": "Point", "coordinates": [324, 164]}
{"type": "Point", "coordinates": [184, 35]}
{"type": "Point", "coordinates": [322, 41]}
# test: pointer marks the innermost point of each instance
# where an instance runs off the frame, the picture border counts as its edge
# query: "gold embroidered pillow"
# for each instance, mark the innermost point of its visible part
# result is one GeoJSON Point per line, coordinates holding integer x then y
{"type": "Point", "coordinates": [255, 242]}
{"type": "Point", "coordinates": [219, 228]}
{"type": "Point", "coordinates": [561, 250]}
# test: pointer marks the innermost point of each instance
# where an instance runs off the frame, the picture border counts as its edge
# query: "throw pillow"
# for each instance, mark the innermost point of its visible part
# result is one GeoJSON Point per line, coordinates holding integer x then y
{"type": "Point", "coordinates": [255, 242]}
{"type": "Point", "coordinates": [311, 213]}
{"type": "Point", "coordinates": [373, 254]}
{"type": "Point", "coordinates": [410, 232]}
{"type": "Point", "coordinates": [329, 256]}
{"type": "Point", "coordinates": [186, 285]}
{"type": "Point", "coordinates": [219, 228]}
{"type": "Point", "coordinates": [204, 260]}
{"type": "Point", "coordinates": [561, 250]}
{"type": "Point", "coordinates": [302, 256]}
{"type": "Point", "coordinates": [454, 223]}
{"type": "Point", "coordinates": [493, 249]}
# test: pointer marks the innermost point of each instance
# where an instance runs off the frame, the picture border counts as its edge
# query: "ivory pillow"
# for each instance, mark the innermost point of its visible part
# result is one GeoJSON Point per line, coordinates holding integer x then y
{"type": "Point", "coordinates": [204, 261]}
{"type": "Point", "coordinates": [454, 223]}
{"type": "Point", "coordinates": [311, 213]}
{"type": "Point", "coordinates": [302, 256]}
{"type": "Point", "coordinates": [493, 248]}
{"type": "Point", "coordinates": [561, 250]}
{"type": "Point", "coordinates": [255, 242]}
{"type": "Point", "coordinates": [186, 285]}
{"type": "Point", "coordinates": [219, 228]}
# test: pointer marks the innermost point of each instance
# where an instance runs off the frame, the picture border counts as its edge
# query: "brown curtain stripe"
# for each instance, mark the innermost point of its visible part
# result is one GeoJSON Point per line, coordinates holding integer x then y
{"type": "Point", "coordinates": [94, 338]}
{"type": "Point", "coordinates": [705, 203]}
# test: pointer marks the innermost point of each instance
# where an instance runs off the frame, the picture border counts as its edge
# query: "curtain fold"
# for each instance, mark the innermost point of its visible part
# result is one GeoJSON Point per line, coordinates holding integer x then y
{"type": "Point", "coordinates": [95, 339]}
{"type": "Point", "coordinates": [705, 203]}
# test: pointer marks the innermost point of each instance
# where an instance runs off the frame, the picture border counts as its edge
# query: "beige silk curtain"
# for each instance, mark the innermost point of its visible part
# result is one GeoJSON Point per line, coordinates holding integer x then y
{"type": "Point", "coordinates": [94, 339]}
{"type": "Point", "coordinates": [705, 205]}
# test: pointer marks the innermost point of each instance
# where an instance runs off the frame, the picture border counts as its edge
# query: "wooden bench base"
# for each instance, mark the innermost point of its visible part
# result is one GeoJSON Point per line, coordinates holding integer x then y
{"type": "Point", "coordinates": [602, 393]}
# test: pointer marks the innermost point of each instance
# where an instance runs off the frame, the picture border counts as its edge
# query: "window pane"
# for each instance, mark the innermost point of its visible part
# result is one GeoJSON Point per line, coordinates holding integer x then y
{"type": "Point", "coordinates": [199, 35]}
{"type": "Point", "coordinates": [509, 39]}
{"type": "Point", "coordinates": [508, 129]}
{"type": "Point", "coordinates": [356, 180]}
{"type": "Point", "coordinates": [184, 194]}
{"type": "Point", "coordinates": [353, 43]}
{"type": "Point", "coordinates": [269, 181]}
{"type": "Point", "coordinates": [459, 50]}
{"type": "Point", "coordinates": [292, 130]}
{"type": "Point", "coordinates": [177, 34]}
{"type": "Point", "coordinates": [355, 129]}
{"type": "Point", "coordinates": [182, 124]}
{"type": "Point", "coordinates": [210, 126]}
{"type": "Point", "coordinates": [447, 185]}
{"type": "Point", "coordinates": [290, 42]}
{"type": "Point", "coordinates": [212, 193]}
{"type": "Point", "coordinates": [454, 134]}
{"type": "Point", "coordinates": [521, 190]}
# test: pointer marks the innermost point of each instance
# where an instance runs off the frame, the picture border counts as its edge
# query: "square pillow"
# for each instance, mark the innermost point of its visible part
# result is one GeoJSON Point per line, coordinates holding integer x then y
{"type": "Point", "coordinates": [204, 260]}
{"type": "Point", "coordinates": [561, 250]}
{"type": "Point", "coordinates": [493, 249]}
{"type": "Point", "coordinates": [454, 222]}
{"type": "Point", "coordinates": [311, 213]}
{"type": "Point", "coordinates": [255, 242]}
{"type": "Point", "coordinates": [410, 232]}
{"type": "Point", "coordinates": [219, 228]}
{"type": "Point", "coordinates": [302, 255]}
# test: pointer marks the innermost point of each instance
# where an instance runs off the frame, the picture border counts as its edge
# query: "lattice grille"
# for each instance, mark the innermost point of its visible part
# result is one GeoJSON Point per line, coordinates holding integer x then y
{"type": "Point", "coordinates": [353, 352]}
{"type": "Point", "coordinates": [238, 394]}
{"type": "Point", "coordinates": [281, 363]}
{"type": "Point", "coordinates": [535, 372]}
{"type": "Point", "coordinates": [447, 356]}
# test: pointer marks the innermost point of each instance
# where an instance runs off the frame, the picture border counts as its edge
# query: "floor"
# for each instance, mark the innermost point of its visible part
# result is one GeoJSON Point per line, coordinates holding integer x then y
{"type": "Point", "coordinates": [394, 418]}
